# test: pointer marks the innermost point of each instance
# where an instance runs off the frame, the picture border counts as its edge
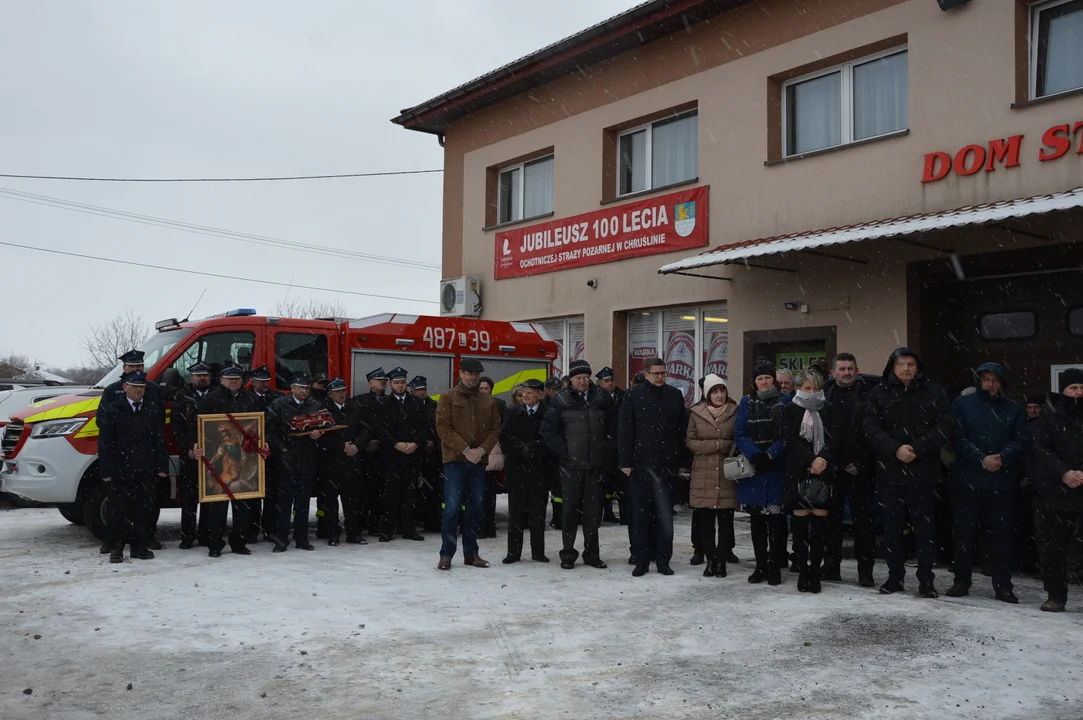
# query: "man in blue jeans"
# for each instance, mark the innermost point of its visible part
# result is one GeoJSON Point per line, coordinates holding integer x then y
{"type": "Point", "coordinates": [468, 424]}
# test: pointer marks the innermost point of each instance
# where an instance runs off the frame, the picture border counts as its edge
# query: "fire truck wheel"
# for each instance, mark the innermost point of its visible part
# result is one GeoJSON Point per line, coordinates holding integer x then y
{"type": "Point", "coordinates": [72, 512]}
{"type": "Point", "coordinates": [94, 508]}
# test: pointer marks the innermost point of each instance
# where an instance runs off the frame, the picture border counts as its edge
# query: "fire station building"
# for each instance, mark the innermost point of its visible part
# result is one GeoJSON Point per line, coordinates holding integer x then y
{"type": "Point", "coordinates": [716, 180]}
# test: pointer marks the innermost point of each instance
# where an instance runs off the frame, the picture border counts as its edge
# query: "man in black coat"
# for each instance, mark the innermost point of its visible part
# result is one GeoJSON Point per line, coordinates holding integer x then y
{"type": "Point", "coordinates": [404, 432]}
{"type": "Point", "coordinates": [372, 478]}
{"type": "Point", "coordinates": [261, 514]}
{"type": "Point", "coordinates": [228, 398]}
{"type": "Point", "coordinates": [298, 454]}
{"type": "Point", "coordinates": [578, 427]}
{"type": "Point", "coordinates": [339, 473]}
{"type": "Point", "coordinates": [552, 387]}
{"type": "Point", "coordinates": [529, 466]}
{"type": "Point", "coordinates": [618, 482]}
{"type": "Point", "coordinates": [132, 455]}
{"type": "Point", "coordinates": [847, 395]}
{"type": "Point", "coordinates": [1058, 461]}
{"type": "Point", "coordinates": [184, 421]}
{"type": "Point", "coordinates": [907, 421]}
{"type": "Point", "coordinates": [653, 424]}
{"type": "Point", "coordinates": [431, 491]}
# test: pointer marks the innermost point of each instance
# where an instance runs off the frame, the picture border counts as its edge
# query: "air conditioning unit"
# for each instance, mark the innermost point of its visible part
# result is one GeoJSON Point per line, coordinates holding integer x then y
{"type": "Point", "coordinates": [460, 297]}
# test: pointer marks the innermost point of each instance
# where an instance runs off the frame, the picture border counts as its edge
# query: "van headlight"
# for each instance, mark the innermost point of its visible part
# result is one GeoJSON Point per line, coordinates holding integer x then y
{"type": "Point", "coordinates": [57, 428]}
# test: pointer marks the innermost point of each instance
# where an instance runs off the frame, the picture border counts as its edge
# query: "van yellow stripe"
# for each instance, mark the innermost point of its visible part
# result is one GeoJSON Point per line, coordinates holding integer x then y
{"type": "Point", "coordinates": [65, 411]}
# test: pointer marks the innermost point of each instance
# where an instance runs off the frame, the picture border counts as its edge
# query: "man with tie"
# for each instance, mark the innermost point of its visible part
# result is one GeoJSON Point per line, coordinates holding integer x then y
{"type": "Point", "coordinates": [339, 474]}
{"type": "Point", "coordinates": [529, 466]}
{"type": "Point", "coordinates": [132, 454]}
{"type": "Point", "coordinates": [261, 513]}
{"type": "Point", "coordinates": [298, 459]}
{"type": "Point", "coordinates": [185, 425]}
{"type": "Point", "coordinates": [372, 480]}
{"type": "Point", "coordinates": [431, 491]}
{"type": "Point", "coordinates": [405, 431]}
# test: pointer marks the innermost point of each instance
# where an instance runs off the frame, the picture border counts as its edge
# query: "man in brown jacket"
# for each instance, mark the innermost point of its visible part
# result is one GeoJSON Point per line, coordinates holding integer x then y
{"type": "Point", "coordinates": [468, 424]}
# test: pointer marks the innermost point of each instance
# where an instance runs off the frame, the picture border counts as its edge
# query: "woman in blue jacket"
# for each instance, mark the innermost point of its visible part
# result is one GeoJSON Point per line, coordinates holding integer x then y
{"type": "Point", "coordinates": [758, 434]}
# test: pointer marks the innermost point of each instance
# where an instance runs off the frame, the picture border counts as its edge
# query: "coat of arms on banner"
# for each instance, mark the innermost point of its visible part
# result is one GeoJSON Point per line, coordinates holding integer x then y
{"type": "Point", "coordinates": [684, 218]}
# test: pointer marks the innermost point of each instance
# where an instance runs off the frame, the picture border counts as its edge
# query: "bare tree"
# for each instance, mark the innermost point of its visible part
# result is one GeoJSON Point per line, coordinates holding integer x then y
{"type": "Point", "coordinates": [107, 342]}
{"type": "Point", "coordinates": [308, 308]}
{"type": "Point", "coordinates": [78, 374]}
{"type": "Point", "coordinates": [12, 365]}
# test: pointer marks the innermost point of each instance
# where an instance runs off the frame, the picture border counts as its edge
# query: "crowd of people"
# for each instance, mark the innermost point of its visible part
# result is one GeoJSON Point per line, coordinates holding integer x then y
{"type": "Point", "coordinates": [795, 453]}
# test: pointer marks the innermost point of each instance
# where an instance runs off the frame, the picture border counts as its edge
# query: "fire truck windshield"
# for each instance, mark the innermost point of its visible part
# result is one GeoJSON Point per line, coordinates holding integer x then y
{"type": "Point", "coordinates": [153, 350]}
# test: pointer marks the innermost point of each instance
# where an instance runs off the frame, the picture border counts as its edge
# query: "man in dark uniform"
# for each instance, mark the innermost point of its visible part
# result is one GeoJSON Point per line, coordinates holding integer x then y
{"type": "Point", "coordinates": [319, 392]}
{"type": "Point", "coordinates": [372, 479]}
{"type": "Point", "coordinates": [430, 492]}
{"type": "Point", "coordinates": [339, 474]}
{"type": "Point", "coordinates": [529, 465]}
{"type": "Point", "coordinates": [319, 387]}
{"type": "Point", "coordinates": [404, 432]}
{"type": "Point", "coordinates": [133, 362]}
{"type": "Point", "coordinates": [261, 514]}
{"type": "Point", "coordinates": [616, 489]}
{"type": "Point", "coordinates": [185, 424]}
{"type": "Point", "coordinates": [231, 398]}
{"type": "Point", "coordinates": [553, 386]}
{"type": "Point", "coordinates": [132, 453]}
{"type": "Point", "coordinates": [298, 457]}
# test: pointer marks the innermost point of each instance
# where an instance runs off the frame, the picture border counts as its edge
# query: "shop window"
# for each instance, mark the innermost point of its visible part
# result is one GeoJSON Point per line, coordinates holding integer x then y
{"type": "Point", "coordinates": [1056, 47]}
{"type": "Point", "coordinates": [658, 154]}
{"type": "Point", "coordinates": [526, 190]}
{"type": "Point", "coordinates": [855, 101]}
{"type": "Point", "coordinates": [1016, 325]}
{"type": "Point", "coordinates": [570, 336]}
{"type": "Point", "coordinates": [1075, 321]}
{"type": "Point", "coordinates": [679, 341]}
{"type": "Point", "coordinates": [218, 350]}
{"type": "Point", "coordinates": [715, 342]}
{"type": "Point", "coordinates": [299, 352]}
{"type": "Point", "coordinates": [693, 342]}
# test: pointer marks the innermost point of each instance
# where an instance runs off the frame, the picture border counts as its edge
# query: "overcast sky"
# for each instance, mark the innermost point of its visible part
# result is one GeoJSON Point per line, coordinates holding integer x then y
{"type": "Point", "coordinates": [136, 88]}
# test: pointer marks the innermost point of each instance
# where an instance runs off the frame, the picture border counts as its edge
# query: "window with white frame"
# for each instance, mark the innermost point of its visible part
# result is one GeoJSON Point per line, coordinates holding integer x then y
{"type": "Point", "coordinates": [526, 190]}
{"type": "Point", "coordinates": [658, 154]}
{"type": "Point", "coordinates": [1056, 47]}
{"type": "Point", "coordinates": [856, 101]}
{"type": "Point", "coordinates": [693, 342]}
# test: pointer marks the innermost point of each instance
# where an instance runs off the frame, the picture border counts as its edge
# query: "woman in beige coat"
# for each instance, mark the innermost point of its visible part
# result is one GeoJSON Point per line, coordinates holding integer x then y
{"type": "Point", "coordinates": [713, 496]}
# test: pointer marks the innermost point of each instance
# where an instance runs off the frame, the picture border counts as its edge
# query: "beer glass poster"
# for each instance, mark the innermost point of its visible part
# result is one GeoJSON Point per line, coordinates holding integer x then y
{"type": "Point", "coordinates": [642, 341]}
{"type": "Point", "coordinates": [679, 334]}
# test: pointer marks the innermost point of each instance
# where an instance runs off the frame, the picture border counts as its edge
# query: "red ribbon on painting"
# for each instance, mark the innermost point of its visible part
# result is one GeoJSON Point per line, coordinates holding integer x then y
{"type": "Point", "coordinates": [212, 471]}
{"type": "Point", "coordinates": [251, 443]}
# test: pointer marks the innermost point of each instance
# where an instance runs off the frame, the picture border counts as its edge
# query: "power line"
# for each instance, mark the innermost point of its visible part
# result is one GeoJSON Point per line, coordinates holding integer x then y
{"type": "Point", "coordinates": [210, 274]}
{"type": "Point", "coordinates": [152, 220]}
{"type": "Point", "coordinates": [226, 179]}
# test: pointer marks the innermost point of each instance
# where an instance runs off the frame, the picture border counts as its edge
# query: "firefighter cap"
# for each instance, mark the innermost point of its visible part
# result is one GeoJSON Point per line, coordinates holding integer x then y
{"type": "Point", "coordinates": [377, 374]}
{"type": "Point", "coordinates": [320, 379]}
{"type": "Point", "coordinates": [605, 373]}
{"type": "Point", "coordinates": [335, 383]}
{"type": "Point", "coordinates": [300, 379]}
{"type": "Point", "coordinates": [199, 369]}
{"type": "Point", "coordinates": [262, 373]}
{"type": "Point", "coordinates": [137, 378]}
{"type": "Point", "coordinates": [398, 373]}
{"type": "Point", "coordinates": [554, 383]}
{"type": "Point", "coordinates": [132, 357]}
{"type": "Point", "coordinates": [231, 371]}
{"type": "Point", "coordinates": [419, 382]}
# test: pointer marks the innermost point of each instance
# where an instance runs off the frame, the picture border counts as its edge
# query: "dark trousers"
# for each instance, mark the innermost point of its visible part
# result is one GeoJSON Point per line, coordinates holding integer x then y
{"type": "Point", "coordinates": [1024, 530]}
{"type": "Point", "coordinates": [624, 502]}
{"type": "Point", "coordinates": [894, 502]}
{"type": "Point", "coordinates": [704, 521]}
{"type": "Point", "coordinates": [526, 507]}
{"type": "Point", "coordinates": [652, 514]}
{"type": "Point", "coordinates": [347, 487]}
{"type": "Point", "coordinates": [581, 492]}
{"type": "Point", "coordinates": [488, 509]}
{"type": "Point", "coordinates": [810, 534]}
{"type": "Point", "coordinates": [188, 489]}
{"type": "Point", "coordinates": [129, 508]}
{"type": "Point", "coordinates": [994, 509]}
{"type": "Point", "coordinates": [253, 525]}
{"type": "Point", "coordinates": [861, 491]}
{"type": "Point", "coordinates": [1058, 531]}
{"type": "Point", "coordinates": [269, 514]}
{"type": "Point", "coordinates": [464, 485]}
{"type": "Point", "coordinates": [769, 533]}
{"type": "Point", "coordinates": [293, 504]}
{"type": "Point", "coordinates": [216, 524]}
{"type": "Point", "coordinates": [429, 498]}
{"type": "Point", "coordinates": [399, 498]}
{"type": "Point", "coordinates": [373, 483]}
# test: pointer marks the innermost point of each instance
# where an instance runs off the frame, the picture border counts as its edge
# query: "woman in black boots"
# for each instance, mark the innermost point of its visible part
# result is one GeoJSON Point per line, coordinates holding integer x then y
{"type": "Point", "coordinates": [712, 494]}
{"type": "Point", "coordinates": [758, 434]}
{"type": "Point", "coordinates": [807, 492]}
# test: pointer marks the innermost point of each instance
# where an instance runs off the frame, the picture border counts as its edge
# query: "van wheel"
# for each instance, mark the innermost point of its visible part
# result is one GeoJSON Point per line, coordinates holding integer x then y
{"type": "Point", "coordinates": [72, 512]}
{"type": "Point", "coordinates": [94, 508]}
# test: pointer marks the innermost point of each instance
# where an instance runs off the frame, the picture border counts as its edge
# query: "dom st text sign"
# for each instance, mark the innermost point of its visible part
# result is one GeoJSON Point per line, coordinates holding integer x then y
{"type": "Point", "coordinates": [668, 223]}
{"type": "Point", "coordinates": [1057, 142]}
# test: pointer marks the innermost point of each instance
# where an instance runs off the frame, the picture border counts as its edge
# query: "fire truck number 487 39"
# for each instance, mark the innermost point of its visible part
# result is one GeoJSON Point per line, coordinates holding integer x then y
{"type": "Point", "coordinates": [438, 338]}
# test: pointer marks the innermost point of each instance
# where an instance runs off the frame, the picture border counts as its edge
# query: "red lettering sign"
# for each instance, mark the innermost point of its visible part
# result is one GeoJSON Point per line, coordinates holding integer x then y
{"type": "Point", "coordinates": [962, 167]}
{"type": "Point", "coordinates": [1057, 140]}
{"type": "Point", "coordinates": [937, 166]}
{"type": "Point", "coordinates": [1004, 151]}
{"type": "Point", "coordinates": [663, 224]}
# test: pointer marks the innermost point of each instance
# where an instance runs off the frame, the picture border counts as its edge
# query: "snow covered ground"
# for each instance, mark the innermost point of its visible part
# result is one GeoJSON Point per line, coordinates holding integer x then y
{"type": "Point", "coordinates": [377, 632]}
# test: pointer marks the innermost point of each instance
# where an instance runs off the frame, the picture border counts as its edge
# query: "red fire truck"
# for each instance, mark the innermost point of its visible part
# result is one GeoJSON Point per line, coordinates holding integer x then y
{"type": "Point", "coordinates": [50, 449]}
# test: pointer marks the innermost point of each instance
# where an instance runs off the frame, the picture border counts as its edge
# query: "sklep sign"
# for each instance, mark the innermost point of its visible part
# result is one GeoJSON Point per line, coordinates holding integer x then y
{"type": "Point", "coordinates": [663, 224]}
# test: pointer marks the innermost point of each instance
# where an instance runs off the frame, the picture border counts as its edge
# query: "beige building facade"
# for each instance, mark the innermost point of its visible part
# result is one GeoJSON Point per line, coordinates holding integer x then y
{"type": "Point", "coordinates": [860, 175]}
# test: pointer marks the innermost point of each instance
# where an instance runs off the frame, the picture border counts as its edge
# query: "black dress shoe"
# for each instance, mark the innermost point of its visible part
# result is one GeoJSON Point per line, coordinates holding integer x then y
{"type": "Point", "coordinates": [565, 565]}
{"type": "Point", "coordinates": [640, 571]}
{"type": "Point", "coordinates": [958, 590]}
{"type": "Point", "coordinates": [214, 553]}
{"type": "Point", "coordinates": [509, 560]}
{"type": "Point", "coordinates": [720, 569]}
{"type": "Point", "coordinates": [279, 547]}
{"type": "Point", "coordinates": [333, 542]}
{"type": "Point", "coordinates": [927, 590]}
{"type": "Point", "coordinates": [758, 576]}
{"type": "Point", "coordinates": [596, 564]}
{"type": "Point", "coordinates": [891, 587]}
{"type": "Point", "coordinates": [154, 545]}
{"type": "Point", "coordinates": [632, 560]}
{"type": "Point", "coordinates": [241, 551]}
{"type": "Point", "coordinates": [540, 558]}
{"type": "Point", "coordinates": [865, 579]}
{"type": "Point", "coordinates": [697, 558]}
{"type": "Point", "coordinates": [186, 545]}
{"type": "Point", "coordinates": [802, 581]}
{"type": "Point", "coordinates": [415, 536]}
{"type": "Point", "coordinates": [385, 538]}
{"type": "Point", "coordinates": [116, 556]}
{"type": "Point", "coordinates": [709, 570]}
{"type": "Point", "coordinates": [106, 548]}
{"type": "Point", "coordinates": [305, 546]}
{"type": "Point", "coordinates": [142, 554]}
{"type": "Point", "coordinates": [664, 569]}
{"type": "Point", "coordinates": [814, 584]}
{"type": "Point", "coordinates": [831, 573]}
{"type": "Point", "coordinates": [731, 558]}
{"type": "Point", "coordinates": [1007, 596]}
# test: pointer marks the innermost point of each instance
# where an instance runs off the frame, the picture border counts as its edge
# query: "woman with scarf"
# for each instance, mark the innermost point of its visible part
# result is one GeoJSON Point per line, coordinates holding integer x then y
{"type": "Point", "coordinates": [713, 495]}
{"type": "Point", "coordinates": [809, 472]}
{"type": "Point", "coordinates": [758, 434]}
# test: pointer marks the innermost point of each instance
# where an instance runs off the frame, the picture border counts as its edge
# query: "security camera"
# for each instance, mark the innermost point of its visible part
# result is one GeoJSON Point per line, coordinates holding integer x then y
{"type": "Point", "coordinates": [592, 283]}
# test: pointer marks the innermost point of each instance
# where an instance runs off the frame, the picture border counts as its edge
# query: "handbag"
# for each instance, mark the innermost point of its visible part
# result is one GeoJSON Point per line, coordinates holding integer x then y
{"type": "Point", "coordinates": [814, 491]}
{"type": "Point", "coordinates": [737, 467]}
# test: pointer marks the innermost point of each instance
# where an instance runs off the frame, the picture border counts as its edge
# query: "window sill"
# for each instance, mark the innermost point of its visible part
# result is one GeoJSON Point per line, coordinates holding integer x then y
{"type": "Point", "coordinates": [509, 223]}
{"type": "Point", "coordinates": [641, 193]}
{"type": "Point", "coordinates": [837, 148]}
{"type": "Point", "coordinates": [1076, 92]}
